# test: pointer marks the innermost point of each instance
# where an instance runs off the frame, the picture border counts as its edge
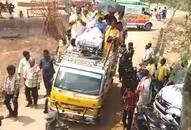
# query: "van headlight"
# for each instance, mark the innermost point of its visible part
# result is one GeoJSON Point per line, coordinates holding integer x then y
{"type": "Point", "coordinates": [173, 111]}
{"type": "Point", "coordinates": [91, 111]}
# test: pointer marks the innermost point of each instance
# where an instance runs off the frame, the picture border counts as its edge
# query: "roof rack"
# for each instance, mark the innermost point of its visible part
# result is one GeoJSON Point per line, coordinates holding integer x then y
{"type": "Point", "coordinates": [84, 60]}
{"type": "Point", "coordinates": [77, 57]}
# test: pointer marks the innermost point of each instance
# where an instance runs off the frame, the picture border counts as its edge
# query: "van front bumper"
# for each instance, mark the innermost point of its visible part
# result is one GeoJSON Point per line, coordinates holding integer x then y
{"type": "Point", "coordinates": [74, 117]}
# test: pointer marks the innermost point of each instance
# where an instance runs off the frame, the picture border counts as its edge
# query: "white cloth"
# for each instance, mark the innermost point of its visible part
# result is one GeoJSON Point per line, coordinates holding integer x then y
{"type": "Point", "coordinates": [92, 38]}
{"type": "Point", "coordinates": [91, 24]}
{"type": "Point", "coordinates": [75, 32]}
{"type": "Point", "coordinates": [145, 95]}
{"type": "Point", "coordinates": [32, 76]}
{"type": "Point", "coordinates": [22, 65]}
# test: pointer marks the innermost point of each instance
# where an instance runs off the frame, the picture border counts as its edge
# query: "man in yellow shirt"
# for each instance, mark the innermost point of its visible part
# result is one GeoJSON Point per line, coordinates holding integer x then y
{"type": "Point", "coordinates": [161, 73]}
{"type": "Point", "coordinates": [151, 67]}
{"type": "Point", "coordinates": [111, 36]}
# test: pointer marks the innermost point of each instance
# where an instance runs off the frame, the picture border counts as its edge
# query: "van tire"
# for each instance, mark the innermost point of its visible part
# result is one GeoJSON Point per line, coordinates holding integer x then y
{"type": "Point", "coordinates": [148, 26]}
{"type": "Point", "coordinates": [139, 27]}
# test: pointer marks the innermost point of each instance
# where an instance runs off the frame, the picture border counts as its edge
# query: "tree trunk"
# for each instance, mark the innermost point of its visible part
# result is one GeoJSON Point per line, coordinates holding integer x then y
{"type": "Point", "coordinates": [186, 106]}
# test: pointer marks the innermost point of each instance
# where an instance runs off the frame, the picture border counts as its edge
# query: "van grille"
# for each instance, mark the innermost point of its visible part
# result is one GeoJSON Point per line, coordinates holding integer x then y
{"type": "Point", "coordinates": [163, 103]}
{"type": "Point", "coordinates": [73, 107]}
{"type": "Point", "coordinates": [163, 112]}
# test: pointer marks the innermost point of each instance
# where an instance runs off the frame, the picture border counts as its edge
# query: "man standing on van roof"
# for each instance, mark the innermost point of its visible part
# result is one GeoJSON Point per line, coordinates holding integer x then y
{"type": "Point", "coordinates": [24, 62]}
{"type": "Point", "coordinates": [77, 22]}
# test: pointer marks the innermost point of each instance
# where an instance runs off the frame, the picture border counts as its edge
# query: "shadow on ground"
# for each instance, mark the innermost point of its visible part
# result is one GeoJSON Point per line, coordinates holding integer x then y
{"type": "Point", "coordinates": [26, 120]}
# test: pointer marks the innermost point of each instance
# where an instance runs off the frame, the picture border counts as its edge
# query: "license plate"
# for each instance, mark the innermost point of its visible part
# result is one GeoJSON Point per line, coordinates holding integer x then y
{"type": "Point", "coordinates": [70, 116]}
{"type": "Point", "coordinates": [75, 117]}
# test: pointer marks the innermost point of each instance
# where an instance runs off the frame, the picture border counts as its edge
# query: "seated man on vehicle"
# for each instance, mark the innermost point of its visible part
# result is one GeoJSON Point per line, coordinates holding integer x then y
{"type": "Point", "coordinates": [101, 24]}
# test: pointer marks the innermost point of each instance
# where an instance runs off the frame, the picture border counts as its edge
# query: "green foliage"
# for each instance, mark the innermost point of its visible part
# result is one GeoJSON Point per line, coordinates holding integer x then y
{"type": "Point", "coordinates": [186, 44]}
{"type": "Point", "coordinates": [171, 3]}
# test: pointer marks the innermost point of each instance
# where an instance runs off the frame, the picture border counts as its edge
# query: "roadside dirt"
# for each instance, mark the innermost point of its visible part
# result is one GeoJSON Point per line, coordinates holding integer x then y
{"type": "Point", "coordinates": [11, 50]}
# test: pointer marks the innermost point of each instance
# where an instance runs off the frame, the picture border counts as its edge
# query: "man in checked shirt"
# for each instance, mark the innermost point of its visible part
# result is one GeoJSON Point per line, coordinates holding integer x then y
{"type": "Point", "coordinates": [32, 83]}
{"type": "Point", "coordinates": [11, 91]}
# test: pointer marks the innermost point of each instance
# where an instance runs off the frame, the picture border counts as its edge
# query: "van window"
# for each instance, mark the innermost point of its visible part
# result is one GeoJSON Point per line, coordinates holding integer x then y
{"type": "Point", "coordinates": [78, 81]}
{"type": "Point", "coordinates": [132, 10]}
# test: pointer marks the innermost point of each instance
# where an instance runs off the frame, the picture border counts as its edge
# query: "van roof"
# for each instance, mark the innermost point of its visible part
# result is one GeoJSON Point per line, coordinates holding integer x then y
{"type": "Point", "coordinates": [133, 3]}
{"type": "Point", "coordinates": [85, 67]}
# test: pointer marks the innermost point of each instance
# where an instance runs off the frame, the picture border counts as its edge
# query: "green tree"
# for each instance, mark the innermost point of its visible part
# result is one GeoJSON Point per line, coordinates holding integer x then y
{"type": "Point", "coordinates": [186, 49]}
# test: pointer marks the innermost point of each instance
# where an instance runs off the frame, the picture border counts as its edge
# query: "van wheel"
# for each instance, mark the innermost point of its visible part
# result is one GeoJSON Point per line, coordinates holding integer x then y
{"type": "Point", "coordinates": [139, 27]}
{"type": "Point", "coordinates": [148, 26]}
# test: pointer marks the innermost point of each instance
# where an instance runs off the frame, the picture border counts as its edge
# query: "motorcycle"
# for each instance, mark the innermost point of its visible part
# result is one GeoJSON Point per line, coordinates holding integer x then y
{"type": "Point", "coordinates": [54, 120]}
{"type": "Point", "coordinates": [147, 120]}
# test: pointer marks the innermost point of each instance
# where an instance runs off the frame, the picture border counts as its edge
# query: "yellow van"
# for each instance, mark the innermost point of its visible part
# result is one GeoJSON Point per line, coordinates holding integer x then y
{"type": "Point", "coordinates": [80, 86]}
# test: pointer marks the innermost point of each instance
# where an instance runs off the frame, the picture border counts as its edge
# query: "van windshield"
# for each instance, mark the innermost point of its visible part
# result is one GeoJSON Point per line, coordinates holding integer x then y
{"type": "Point", "coordinates": [78, 81]}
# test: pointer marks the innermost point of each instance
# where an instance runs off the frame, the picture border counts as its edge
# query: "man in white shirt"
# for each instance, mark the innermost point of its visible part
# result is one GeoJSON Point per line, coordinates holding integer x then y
{"type": "Point", "coordinates": [77, 22]}
{"type": "Point", "coordinates": [24, 62]}
{"type": "Point", "coordinates": [148, 55]}
{"type": "Point", "coordinates": [32, 82]}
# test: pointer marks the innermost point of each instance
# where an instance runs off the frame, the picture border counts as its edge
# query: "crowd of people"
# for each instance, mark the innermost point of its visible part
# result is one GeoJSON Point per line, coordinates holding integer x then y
{"type": "Point", "coordinates": [28, 75]}
{"type": "Point", "coordinates": [137, 83]}
{"type": "Point", "coordinates": [136, 90]}
{"type": "Point", "coordinates": [160, 13]}
{"type": "Point", "coordinates": [85, 19]}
